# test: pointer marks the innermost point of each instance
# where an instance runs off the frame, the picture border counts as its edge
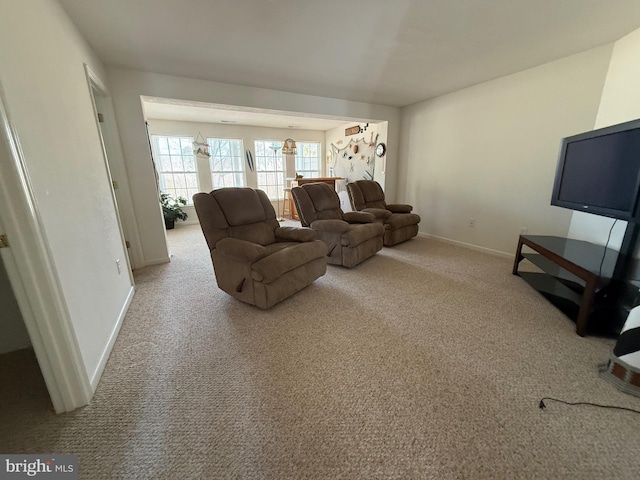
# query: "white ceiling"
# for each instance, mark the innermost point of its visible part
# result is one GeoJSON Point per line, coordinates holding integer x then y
{"type": "Point", "coordinates": [391, 52]}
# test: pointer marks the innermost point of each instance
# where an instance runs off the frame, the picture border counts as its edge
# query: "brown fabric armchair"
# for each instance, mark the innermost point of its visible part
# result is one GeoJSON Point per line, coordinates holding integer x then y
{"type": "Point", "coordinates": [352, 237]}
{"type": "Point", "coordinates": [255, 259]}
{"type": "Point", "coordinates": [400, 224]}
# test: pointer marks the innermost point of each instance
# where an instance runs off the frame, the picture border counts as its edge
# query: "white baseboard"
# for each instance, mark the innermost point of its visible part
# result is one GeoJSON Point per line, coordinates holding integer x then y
{"type": "Point", "coordinates": [95, 378]}
{"type": "Point", "coordinates": [157, 261]}
{"type": "Point", "coordinates": [467, 245]}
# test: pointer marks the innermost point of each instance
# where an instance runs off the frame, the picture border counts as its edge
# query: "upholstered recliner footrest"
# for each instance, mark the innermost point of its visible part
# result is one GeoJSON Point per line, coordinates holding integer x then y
{"type": "Point", "coordinates": [361, 233]}
{"type": "Point", "coordinates": [399, 220]}
{"type": "Point", "coordinates": [295, 255]}
{"type": "Point", "coordinates": [399, 208]}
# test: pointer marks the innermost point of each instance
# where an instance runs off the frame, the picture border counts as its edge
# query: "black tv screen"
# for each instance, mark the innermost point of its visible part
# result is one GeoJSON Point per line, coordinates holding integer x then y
{"type": "Point", "coordinates": [599, 171]}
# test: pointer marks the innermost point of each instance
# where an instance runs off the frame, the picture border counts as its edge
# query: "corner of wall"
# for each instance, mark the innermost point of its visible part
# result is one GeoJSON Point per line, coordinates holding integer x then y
{"type": "Point", "coordinates": [619, 102]}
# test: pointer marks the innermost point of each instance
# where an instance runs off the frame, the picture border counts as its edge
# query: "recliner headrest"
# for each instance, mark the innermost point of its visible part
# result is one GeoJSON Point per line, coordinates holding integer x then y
{"type": "Point", "coordinates": [241, 206]}
{"type": "Point", "coordinates": [242, 213]}
{"type": "Point", "coordinates": [371, 191]}
{"type": "Point", "coordinates": [323, 196]}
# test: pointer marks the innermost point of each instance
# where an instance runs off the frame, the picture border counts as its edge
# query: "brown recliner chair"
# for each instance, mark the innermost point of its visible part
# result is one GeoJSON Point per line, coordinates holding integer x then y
{"type": "Point", "coordinates": [400, 224]}
{"type": "Point", "coordinates": [255, 259]}
{"type": "Point", "coordinates": [351, 237]}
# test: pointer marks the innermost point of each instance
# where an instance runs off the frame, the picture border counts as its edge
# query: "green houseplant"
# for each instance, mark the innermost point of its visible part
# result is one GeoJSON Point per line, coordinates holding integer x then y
{"type": "Point", "coordinates": [172, 209]}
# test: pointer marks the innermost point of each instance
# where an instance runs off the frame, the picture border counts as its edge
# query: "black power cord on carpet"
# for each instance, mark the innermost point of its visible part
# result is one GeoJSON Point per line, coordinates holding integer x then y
{"type": "Point", "coordinates": [542, 405]}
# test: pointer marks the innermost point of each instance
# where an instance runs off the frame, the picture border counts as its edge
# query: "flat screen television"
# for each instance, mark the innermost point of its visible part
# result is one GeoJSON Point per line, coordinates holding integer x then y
{"type": "Point", "coordinates": [599, 171]}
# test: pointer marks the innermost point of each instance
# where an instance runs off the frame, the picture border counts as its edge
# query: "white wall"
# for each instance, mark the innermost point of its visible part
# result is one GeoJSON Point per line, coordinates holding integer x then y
{"type": "Point", "coordinates": [243, 132]}
{"type": "Point", "coordinates": [42, 72]}
{"type": "Point", "coordinates": [127, 86]}
{"type": "Point", "coordinates": [620, 103]}
{"type": "Point", "coordinates": [489, 152]}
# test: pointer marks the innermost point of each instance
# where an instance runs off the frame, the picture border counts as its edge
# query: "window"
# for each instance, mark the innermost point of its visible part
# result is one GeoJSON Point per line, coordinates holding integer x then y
{"type": "Point", "coordinates": [226, 162]}
{"type": "Point", "coordinates": [269, 168]}
{"type": "Point", "coordinates": [177, 166]}
{"type": "Point", "coordinates": [308, 159]}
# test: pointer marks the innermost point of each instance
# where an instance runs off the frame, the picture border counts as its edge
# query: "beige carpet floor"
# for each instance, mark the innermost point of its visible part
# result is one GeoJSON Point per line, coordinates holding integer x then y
{"type": "Point", "coordinates": [425, 362]}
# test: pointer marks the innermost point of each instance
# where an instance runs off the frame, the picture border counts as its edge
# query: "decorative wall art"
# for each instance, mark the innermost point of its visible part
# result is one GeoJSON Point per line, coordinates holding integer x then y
{"type": "Point", "coordinates": [201, 147]}
{"type": "Point", "coordinates": [289, 147]}
{"type": "Point", "coordinates": [355, 130]}
{"type": "Point", "coordinates": [356, 160]}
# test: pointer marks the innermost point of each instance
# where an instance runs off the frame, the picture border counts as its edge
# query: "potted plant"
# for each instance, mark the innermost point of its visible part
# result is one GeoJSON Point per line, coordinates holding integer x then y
{"type": "Point", "coordinates": [172, 209]}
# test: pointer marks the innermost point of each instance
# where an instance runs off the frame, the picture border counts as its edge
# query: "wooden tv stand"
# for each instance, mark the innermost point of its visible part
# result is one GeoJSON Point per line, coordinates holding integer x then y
{"type": "Point", "coordinates": [574, 271]}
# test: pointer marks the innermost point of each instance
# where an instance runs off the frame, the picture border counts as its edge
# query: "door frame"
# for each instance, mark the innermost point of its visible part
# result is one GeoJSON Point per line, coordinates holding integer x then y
{"type": "Point", "coordinates": [95, 85]}
{"type": "Point", "coordinates": [33, 276]}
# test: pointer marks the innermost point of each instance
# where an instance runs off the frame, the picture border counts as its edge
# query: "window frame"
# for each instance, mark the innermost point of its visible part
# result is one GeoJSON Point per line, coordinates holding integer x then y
{"type": "Point", "coordinates": [279, 185]}
{"type": "Point", "coordinates": [184, 140]}
{"type": "Point", "coordinates": [300, 148]}
{"type": "Point", "coordinates": [240, 158]}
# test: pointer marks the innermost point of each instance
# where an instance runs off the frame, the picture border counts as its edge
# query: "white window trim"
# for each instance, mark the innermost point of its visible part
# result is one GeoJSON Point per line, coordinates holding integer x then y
{"type": "Point", "coordinates": [157, 163]}
{"type": "Point", "coordinates": [242, 158]}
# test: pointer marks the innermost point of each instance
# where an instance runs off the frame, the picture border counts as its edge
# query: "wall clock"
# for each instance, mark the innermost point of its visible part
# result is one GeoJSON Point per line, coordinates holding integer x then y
{"type": "Point", "coordinates": [381, 149]}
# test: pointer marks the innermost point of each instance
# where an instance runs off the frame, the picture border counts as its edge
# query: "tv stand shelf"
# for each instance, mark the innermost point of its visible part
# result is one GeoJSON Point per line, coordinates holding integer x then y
{"type": "Point", "coordinates": [573, 271]}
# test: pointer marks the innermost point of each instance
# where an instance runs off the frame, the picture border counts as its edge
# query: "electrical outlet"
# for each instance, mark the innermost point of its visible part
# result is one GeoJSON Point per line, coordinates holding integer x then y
{"type": "Point", "coordinates": [524, 230]}
{"type": "Point", "coordinates": [472, 223]}
{"type": "Point", "coordinates": [118, 266]}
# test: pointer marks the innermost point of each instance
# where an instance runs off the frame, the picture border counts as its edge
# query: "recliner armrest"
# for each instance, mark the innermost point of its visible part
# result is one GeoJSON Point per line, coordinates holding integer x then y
{"type": "Point", "coordinates": [330, 226]}
{"type": "Point", "coordinates": [241, 249]}
{"type": "Point", "coordinates": [399, 208]}
{"type": "Point", "coordinates": [359, 217]}
{"type": "Point", "coordinates": [379, 213]}
{"type": "Point", "coordinates": [295, 234]}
